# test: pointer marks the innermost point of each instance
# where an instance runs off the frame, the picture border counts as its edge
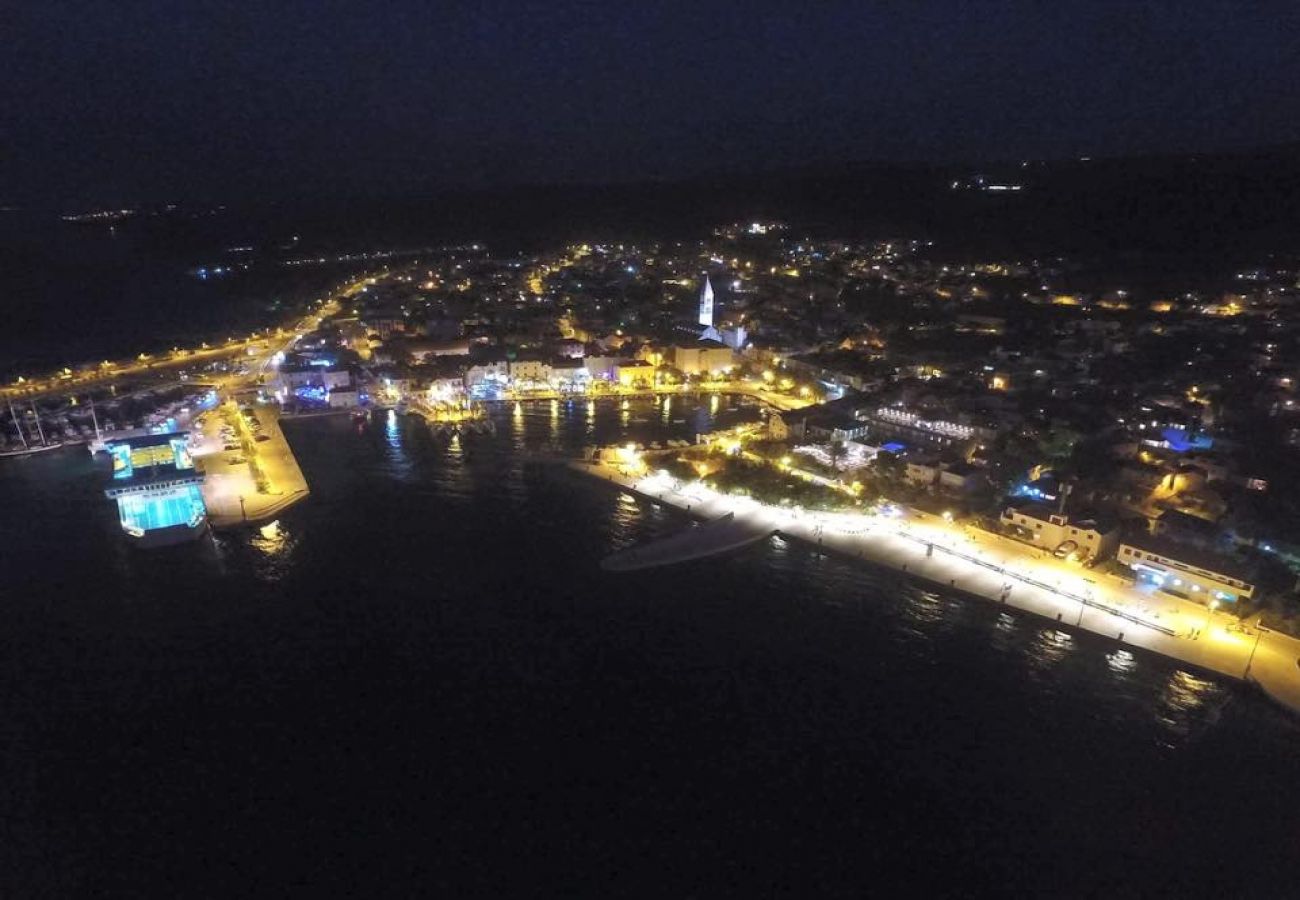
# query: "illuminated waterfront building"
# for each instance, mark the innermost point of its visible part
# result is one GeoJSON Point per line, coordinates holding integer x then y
{"type": "Point", "coordinates": [1190, 572]}
{"type": "Point", "coordinates": [156, 488]}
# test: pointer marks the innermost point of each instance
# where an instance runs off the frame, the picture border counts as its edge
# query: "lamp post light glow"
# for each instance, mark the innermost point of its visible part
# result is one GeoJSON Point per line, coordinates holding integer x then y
{"type": "Point", "coordinates": [1213, 605]}
{"type": "Point", "coordinates": [1259, 632]}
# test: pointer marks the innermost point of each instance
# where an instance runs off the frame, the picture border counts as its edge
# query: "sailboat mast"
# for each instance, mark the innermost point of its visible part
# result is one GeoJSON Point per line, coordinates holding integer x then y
{"type": "Point", "coordinates": [94, 418]}
{"type": "Point", "coordinates": [18, 425]}
{"type": "Point", "coordinates": [39, 430]}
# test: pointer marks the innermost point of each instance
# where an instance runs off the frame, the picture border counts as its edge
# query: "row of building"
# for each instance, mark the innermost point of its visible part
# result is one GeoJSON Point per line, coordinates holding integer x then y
{"type": "Point", "coordinates": [1175, 566]}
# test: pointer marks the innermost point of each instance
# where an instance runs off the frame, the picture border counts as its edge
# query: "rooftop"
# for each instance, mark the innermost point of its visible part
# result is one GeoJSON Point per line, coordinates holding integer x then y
{"type": "Point", "coordinates": [1043, 512]}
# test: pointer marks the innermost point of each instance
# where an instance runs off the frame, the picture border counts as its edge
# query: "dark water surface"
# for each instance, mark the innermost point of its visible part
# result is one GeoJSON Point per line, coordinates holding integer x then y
{"type": "Point", "coordinates": [421, 680]}
{"type": "Point", "coordinates": [72, 294]}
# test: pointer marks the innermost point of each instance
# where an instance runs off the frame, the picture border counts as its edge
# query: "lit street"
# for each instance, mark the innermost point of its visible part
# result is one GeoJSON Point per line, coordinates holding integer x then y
{"type": "Point", "coordinates": [1000, 570]}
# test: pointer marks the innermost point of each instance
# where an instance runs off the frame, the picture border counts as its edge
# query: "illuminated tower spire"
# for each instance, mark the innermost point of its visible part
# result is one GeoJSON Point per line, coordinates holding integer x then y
{"type": "Point", "coordinates": [706, 304]}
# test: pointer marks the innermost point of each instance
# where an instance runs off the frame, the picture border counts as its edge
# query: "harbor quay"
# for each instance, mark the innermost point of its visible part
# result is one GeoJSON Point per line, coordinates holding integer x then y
{"type": "Point", "coordinates": [251, 472]}
{"type": "Point", "coordinates": [934, 552]}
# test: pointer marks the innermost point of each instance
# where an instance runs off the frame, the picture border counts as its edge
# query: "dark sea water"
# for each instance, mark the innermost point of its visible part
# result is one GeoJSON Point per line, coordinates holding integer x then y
{"type": "Point", "coordinates": [420, 682]}
{"type": "Point", "coordinates": [72, 293]}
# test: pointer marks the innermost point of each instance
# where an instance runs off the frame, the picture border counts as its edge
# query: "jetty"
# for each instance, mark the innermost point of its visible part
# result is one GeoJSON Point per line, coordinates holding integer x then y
{"type": "Point", "coordinates": [721, 535]}
{"type": "Point", "coordinates": [939, 554]}
{"type": "Point", "coordinates": [255, 483]}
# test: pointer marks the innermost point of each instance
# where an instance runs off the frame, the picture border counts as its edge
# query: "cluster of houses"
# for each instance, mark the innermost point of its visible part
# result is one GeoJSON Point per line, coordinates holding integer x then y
{"type": "Point", "coordinates": [962, 377]}
{"type": "Point", "coordinates": [1182, 552]}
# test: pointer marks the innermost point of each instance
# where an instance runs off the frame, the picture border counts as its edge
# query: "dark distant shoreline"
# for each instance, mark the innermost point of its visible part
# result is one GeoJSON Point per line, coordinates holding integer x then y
{"type": "Point", "coordinates": [74, 292]}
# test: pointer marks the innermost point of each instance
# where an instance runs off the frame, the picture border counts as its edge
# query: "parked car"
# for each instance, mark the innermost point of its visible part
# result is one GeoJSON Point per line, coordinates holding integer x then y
{"type": "Point", "coordinates": [1066, 550]}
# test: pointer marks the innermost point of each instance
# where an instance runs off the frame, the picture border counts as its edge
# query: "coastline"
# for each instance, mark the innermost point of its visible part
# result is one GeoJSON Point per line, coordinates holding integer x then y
{"type": "Point", "coordinates": [1269, 665]}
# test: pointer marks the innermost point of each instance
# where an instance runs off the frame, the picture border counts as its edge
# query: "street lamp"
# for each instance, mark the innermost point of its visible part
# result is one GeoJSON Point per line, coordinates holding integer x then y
{"type": "Point", "coordinates": [1259, 632]}
{"type": "Point", "coordinates": [1213, 605]}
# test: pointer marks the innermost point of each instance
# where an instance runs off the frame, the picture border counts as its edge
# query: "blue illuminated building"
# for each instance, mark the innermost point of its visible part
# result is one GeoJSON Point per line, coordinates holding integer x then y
{"type": "Point", "coordinates": [1043, 489]}
{"type": "Point", "coordinates": [1180, 440]}
{"type": "Point", "coordinates": [156, 488]}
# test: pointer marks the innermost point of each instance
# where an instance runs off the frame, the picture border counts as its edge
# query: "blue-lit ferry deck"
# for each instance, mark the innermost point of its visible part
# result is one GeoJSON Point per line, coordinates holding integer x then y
{"type": "Point", "coordinates": [156, 488]}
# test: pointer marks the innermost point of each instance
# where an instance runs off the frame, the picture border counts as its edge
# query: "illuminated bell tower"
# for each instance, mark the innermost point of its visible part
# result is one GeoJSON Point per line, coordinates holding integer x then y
{"type": "Point", "coordinates": [706, 304]}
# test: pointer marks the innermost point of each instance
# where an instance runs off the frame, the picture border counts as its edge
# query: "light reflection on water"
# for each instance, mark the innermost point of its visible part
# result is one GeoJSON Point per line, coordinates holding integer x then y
{"type": "Point", "coordinates": [625, 520]}
{"type": "Point", "coordinates": [1005, 635]}
{"type": "Point", "coordinates": [1049, 647]}
{"type": "Point", "coordinates": [930, 625]}
{"type": "Point", "coordinates": [274, 544]}
{"type": "Point", "coordinates": [1187, 702]}
{"type": "Point", "coordinates": [924, 607]}
{"type": "Point", "coordinates": [272, 538]}
{"type": "Point", "coordinates": [394, 439]}
{"type": "Point", "coordinates": [1121, 661]}
{"type": "Point", "coordinates": [811, 674]}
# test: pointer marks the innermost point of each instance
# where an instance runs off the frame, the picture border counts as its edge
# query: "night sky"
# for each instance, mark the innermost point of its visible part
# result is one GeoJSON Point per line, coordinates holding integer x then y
{"type": "Point", "coordinates": [137, 100]}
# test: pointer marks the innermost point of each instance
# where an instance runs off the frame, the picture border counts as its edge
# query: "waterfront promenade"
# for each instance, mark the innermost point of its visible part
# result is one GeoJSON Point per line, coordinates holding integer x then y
{"type": "Point", "coordinates": [782, 402]}
{"type": "Point", "coordinates": [931, 550]}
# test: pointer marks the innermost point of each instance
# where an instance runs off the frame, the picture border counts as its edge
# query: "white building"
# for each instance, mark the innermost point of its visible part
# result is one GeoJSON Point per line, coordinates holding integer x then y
{"type": "Point", "coordinates": [569, 375]}
{"type": "Point", "coordinates": [344, 398]}
{"type": "Point", "coordinates": [448, 389]}
{"type": "Point", "coordinates": [336, 379]}
{"type": "Point", "coordinates": [530, 373]}
{"type": "Point", "coordinates": [1185, 571]}
{"type": "Point", "coordinates": [484, 372]}
{"type": "Point", "coordinates": [288, 378]}
{"type": "Point", "coordinates": [702, 357]}
{"type": "Point", "coordinates": [423, 350]}
{"type": "Point", "coordinates": [1040, 525]}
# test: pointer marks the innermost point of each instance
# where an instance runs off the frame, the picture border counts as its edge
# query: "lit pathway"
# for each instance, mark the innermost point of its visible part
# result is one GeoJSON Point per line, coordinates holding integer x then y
{"type": "Point", "coordinates": [933, 550]}
{"type": "Point", "coordinates": [780, 401]}
{"type": "Point", "coordinates": [230, 489]}
{"type": "Point", "coordinates": [720, 535]}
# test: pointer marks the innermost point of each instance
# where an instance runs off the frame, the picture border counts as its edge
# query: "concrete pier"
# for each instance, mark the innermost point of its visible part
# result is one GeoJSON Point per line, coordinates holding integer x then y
{"type": "Point", "coordinates": [936, 552]}
{"type": "Point", "coordinates": [722, 535]}
{"type": "Point", "coordinates": [231, 488]}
